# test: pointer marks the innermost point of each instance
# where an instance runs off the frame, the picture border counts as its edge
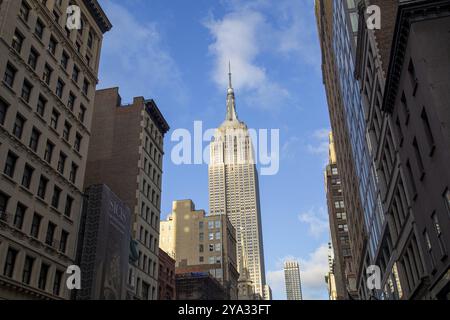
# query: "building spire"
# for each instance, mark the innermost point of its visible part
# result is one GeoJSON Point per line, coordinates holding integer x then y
{"type": "Point", "coordinates": [229, 75]}
{"type": "Point", "coordinates": [231, 104]}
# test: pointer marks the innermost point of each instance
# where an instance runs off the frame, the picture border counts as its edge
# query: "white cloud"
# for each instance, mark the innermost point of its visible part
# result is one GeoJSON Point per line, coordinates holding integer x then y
{"type": "Point", "coordinates": [319, 144]}
{"type": "Point", "coordinates": [298, 34]}
{"type": "Point", "coordinates": [317, 221]}
{"type": "Point", "coordinates": [134, 56]}
{"type": "Point", "coordinates": [312, 273]}
{"type": "Point", "coordinates": [237, 39]}
{"type": "Point", "coordinates": [289, 147]}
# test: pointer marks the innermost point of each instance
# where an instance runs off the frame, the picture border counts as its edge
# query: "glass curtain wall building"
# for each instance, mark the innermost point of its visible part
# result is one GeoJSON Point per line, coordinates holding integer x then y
{"type": "Point", "coordinates": [345, 30]}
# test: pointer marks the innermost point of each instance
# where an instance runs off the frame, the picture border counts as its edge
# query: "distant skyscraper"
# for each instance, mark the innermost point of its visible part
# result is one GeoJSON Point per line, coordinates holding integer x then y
{"type": "Point", "coordinates": [343, 268]}
{"type": "Point", "coordinates": [234, 190]}
{"type": "Point", "coordinates": [293, 280]}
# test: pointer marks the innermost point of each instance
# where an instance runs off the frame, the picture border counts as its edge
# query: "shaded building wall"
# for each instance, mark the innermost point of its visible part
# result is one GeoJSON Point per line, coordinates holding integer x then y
{"type": "Point", "coordinates": [126, 153]}
{"type": "Point", "coordinates": [103, 245]}
{"type": "Point", "coordinates": [166, 278]}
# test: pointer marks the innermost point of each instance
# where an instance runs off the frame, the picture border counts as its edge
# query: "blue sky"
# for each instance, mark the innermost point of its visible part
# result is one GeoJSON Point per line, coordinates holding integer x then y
{"type": "Point", "coordinates": [176, 52]}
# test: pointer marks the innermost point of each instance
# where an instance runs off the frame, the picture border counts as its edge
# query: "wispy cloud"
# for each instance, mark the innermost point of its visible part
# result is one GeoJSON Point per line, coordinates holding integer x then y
{"type": "Point", "coordinates": [135, 58]}
{"type": "Point", "coordinates": [317, 221]}
{"type": "Point", "coordinates": [297, 35]}
{"type": "Point", "coordinates": [312, 272]}
{"type": "Point", "coordinates": [319, 143]}
{"type": "Point", "coordinates": [236, 38]}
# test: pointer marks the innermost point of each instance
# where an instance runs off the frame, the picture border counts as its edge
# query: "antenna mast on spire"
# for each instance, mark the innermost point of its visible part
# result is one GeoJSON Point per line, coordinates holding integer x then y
{"type": "Point", "coordinates": [229, 74]}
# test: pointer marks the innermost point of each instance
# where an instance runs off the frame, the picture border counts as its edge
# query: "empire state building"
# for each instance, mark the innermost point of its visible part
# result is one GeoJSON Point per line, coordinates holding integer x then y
{"type": "Point", "coordinates": [234, 191]}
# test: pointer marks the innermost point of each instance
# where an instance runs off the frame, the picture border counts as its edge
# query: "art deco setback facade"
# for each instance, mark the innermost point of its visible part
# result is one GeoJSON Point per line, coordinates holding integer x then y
{"type": "Point", "coordinates": [406, 92]}
{"type": "Point", "coordinates": [48, 78]}
{"type": "Point", "coordinates": [234, 190]}
{"type": "Point", "coordinates": [126, 154]}
{"type": "Point", "coordinates": [343, 268]}
{"type": "Point", "coordinates": [201, 243]}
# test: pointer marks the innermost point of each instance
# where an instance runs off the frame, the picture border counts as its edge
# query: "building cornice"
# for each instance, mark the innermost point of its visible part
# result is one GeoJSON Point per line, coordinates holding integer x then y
{"type": "Point", "coordinates": [409, 11]}
{"type": "Point", "coordinates": [156, 116]}
{"type": "Point", "coordinates": [98, 14]}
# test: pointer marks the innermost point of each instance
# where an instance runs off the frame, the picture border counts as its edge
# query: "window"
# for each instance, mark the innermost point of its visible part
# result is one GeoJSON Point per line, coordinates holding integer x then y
{"type": "Point", "coordinates": [68, 206]}
{"type": "Point", "coordinates": [49, 151]}
{"type": "Point", "coordinates": [33, 58]}
{"type": "Point", "coordinates": [428, 131]}
{"type": "Point", "coordinates": [77, 143]}
{"type": "Point", "coordinates": [201, 259]}
{"type": "Point", "coordinates": [82, 113]}
{"type": "Point", "coordinates": [211, 236]}
{"type": "Point", "coordinates": [86, 85]}
{"type": "Point", "coordinates": [210, 224]}
{"type": "Point", "coordinates": [26, 90]}
{"type": "Point", "coordinates": [17, 41]}
{"type": "Point", "coordinates": [34, 139]}
{"type": "Point", "coordinates": [211, 247]}
{"type": "Point", "coordinates": [413, 77]}
{"type": "Point", "coordinates": [42, 282]}
{"type": "Point", "coordinates": [418, 158]}
{"type": "Point", "coordinates": [10, 164]}
{"type": "Point", "coordinates": [40, 108]}
{"type": "Point", "coordinates": [35, 225]}
{"type": "Point", "coordinates": [10, 262]}
{"type": "Point", "coordinates": [10, 75]}
{"type": "Point", "coordinates": [405, 108]}
{"type": "Point", "coordinates": [90, 40]}
{"type": "Point", "coordinates": [438, 230]}
{"type": "Point", "coordinates": [3, 110]}
{"type": "Point", "coordinates": [57, 282]}
{"type": "Point", "coordinates": [52, 44]}
{"type": "Point", "coordinates": [47, 75]}
{"type": "Point", "coordinates": [24, 11]}
{"type": "Point", "coordinates": [447, 200]}
{"type": "Point", "coordinates": [66, 131]}
{"type": "Point", "coordinates": [39, 29]}
{"type": "Point", "coordinates": [27, 175]}
{"type": "Point", "coordinates": [201, 236]}
{"type": "Point", "coordinates": [217, 223]}
{"type": "Point", "coordinates": [71, 101]}
{"type": "Point", "coordinates": [211, 260]}
{"type": "Point", "coordinates": [217, 235]}
{"type": "Point", "coordinates": [61, 162]}
{"type": "Point", "coordinates": [73, 173]}
{"type": "Point", "coordinates": [54, 119]}
{"type": "Point", "coordinates": [64, 60]}
{"type": "Point", "coordinates": [200, 248]}
{"type": "Point", "coordinates": [56, 196]}
{"type": "Point", "coordinates": [18, 126]}
{"type": "Point", "coordinates": [19, 216]}
{"type": "Point", "coordinates": [63, 242]}
{"type": "Point", "coordinates": [3, 204]}
{"type": "Point", "coordinates": [27, 269]}
{"type": "Point", "coordinates": [42, 189]}
{"type": "Point", "coordinates": [50, 234]}
{"type": "Point", "coordinates": [218, 247]}
{"type": "Point", "coordinates": [75, 73]}
{"type": "Point", "coordinates": [60, 88]}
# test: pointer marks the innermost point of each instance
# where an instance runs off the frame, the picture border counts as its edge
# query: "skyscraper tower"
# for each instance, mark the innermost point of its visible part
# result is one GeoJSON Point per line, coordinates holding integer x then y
{"type": "Point", "coordinates": [292, 280]}
{"type": "Point", "coordinates": [234, 191]}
